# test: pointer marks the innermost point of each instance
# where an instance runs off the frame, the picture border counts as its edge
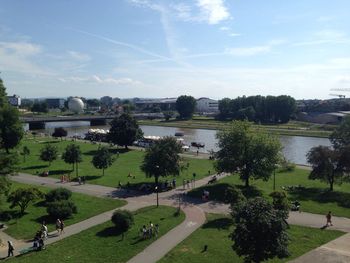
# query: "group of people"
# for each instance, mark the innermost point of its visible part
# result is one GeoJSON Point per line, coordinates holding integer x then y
{"type": "Point", "coordinates": [65, 178]}
{"type": "Point", "coordinates": [59, 226]}
{"type": "Point", "coordinates": [149, 231]}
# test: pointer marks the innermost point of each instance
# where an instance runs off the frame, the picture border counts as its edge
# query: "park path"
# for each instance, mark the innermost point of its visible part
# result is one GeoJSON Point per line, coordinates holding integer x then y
{"type": "Point", "coordinates": [194, 209]}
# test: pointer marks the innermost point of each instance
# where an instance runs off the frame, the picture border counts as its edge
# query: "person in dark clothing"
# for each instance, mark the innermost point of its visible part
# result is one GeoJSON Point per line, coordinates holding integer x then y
{"type": "Point", "coordinates": [10, 249]}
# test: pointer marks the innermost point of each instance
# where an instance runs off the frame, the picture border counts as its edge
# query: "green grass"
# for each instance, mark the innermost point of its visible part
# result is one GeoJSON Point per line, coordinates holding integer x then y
{"type": "Point", "coordinates": [215, 234]}
{"type": "Point", "coordinates": [127, 162]}
{"type": "Point", "coordinates": [314, 198]}
{"type": "Point", "coordinates": [24, 227]}
{"type": "Point", "coordinates": [292, 128]}
{"type": "Point", "coordinates": [101, 244]}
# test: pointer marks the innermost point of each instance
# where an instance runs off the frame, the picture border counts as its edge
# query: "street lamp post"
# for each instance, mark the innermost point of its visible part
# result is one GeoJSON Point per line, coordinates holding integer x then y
{"type": "Point", "coordinates": [157, 188]}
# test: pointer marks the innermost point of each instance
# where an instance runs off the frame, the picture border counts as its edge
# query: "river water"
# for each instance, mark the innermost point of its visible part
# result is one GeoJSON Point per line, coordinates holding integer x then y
{"type": "Point", "coordinates": [294, 147]}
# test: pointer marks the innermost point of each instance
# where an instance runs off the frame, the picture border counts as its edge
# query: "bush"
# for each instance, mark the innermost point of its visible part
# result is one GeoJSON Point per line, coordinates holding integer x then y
{"type": "Point", "coordinates": [233, 195]}
{"type": "Point", "coordinates": [286, 166]}
{"type": "Point", "coordinates": [123, 220]}
{"type": "Point", "coordinates": [58, 194]}
{"type": "Point", "coordinates": [61, 209]}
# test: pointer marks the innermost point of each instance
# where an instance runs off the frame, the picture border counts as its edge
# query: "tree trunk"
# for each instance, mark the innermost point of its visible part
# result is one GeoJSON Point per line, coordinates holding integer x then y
{"type": "Point", "coordinates": [73, 167]}
{"type": "Point", "coordinates": [331, 186]}
{"type": "Point", "coordinates": [103, 171]}
{"type": "Point", "coordinates": [246, 182]}
{"type": "Point", "coordinates": [76, 169]}
{"type": "Point", "coordinates": [157, 188]}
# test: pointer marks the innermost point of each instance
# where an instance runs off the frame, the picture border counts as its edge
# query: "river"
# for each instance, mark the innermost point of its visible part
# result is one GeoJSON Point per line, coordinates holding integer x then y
{"type": "Point", "coordinates": [294, 147]}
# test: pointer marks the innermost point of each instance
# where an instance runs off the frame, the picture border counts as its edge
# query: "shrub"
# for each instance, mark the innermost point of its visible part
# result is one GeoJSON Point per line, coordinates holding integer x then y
{"type": "Point", "coordinates": [123, 220]}
{"type": "Point", "coordinates": [286, 166]}
{"type": "Point", "coordinates": [58, 195]}
{"type": "Point", "coordinates": [61, 209]}
{"type": "Point", "coordinates": [233, 195]}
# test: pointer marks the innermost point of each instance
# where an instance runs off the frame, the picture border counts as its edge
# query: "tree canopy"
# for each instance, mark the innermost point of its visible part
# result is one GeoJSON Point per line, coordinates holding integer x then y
{"type": "Point", "coordinates": [258, 108]}
{"type": "Point", "coordinates": [260, 232]}
{"type": "Point", "coordinates": [185, 105]}
{"type": "Point", "coordinates": [48, 153]}
{"type": "Point", "coordinates": [60, 132]}
{"type": "Point", "coordinates": [23, 196]}
{"type": "Point", "coordinates": [123, 220]}
{"type": "Point", "coordinates": [162, 159]}
{"type": "Point", "coordinates": [124, 130]}
{"type": "Point", "coordinates": [102, 159]}
{"type": "Point", "coordinates": [40, 107]}
{"type": "Point", "coordinates": [341, 136]}
{"type": "Point", "coordinates": [72, 155]}
{"type": "Point", "coordinates": [247, 152]}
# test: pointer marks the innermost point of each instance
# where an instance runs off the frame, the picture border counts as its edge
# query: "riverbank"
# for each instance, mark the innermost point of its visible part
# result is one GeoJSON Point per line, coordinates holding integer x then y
{"type": "Point", "coordinates": [293, 128]}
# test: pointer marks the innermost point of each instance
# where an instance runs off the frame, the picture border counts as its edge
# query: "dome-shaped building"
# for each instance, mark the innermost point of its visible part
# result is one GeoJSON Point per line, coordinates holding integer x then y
{"type": "Point", "coordinates": [76, 105]}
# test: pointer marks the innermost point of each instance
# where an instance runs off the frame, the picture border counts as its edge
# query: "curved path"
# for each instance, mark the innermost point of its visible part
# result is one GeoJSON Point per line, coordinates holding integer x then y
{"type": "Point", "coordinates": [195, 217]}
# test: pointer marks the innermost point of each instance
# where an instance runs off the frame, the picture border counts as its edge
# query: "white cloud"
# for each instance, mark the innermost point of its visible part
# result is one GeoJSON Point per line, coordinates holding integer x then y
{"type": "Point", "coordinates": [224, 28]}
{"type": "Point", "coordinates": [325, 37]}
{"type": "Point", "coordinates": [95, 79]}
{"type": "Point", "coordinates": [234, 34]}
{"type": "Point", "coordinates": [248, 51]}
{"type": "Point", "coordinates": [79, 56]}
{"type": "Point", "coordinates": [213, 11]}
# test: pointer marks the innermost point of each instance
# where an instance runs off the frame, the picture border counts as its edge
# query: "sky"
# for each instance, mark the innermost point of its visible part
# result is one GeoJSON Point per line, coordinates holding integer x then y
{"type": "Point", "coordinates": [167, 48]}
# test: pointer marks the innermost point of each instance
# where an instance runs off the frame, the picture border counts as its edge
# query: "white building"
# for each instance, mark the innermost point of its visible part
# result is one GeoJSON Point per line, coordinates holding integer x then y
{"type": "Point", "coordinates": [207, 105]}
{"type": "Point", "coordinates": [14, 100]}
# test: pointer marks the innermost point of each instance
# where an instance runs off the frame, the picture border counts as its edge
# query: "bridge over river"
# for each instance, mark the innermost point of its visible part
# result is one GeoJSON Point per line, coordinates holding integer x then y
{"type": "Point", "coordinates": [37, 122]}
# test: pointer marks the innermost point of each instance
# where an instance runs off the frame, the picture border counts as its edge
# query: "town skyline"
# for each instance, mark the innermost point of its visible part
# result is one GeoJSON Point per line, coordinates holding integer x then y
{"type": "Point", "coordinates": [155, 49]}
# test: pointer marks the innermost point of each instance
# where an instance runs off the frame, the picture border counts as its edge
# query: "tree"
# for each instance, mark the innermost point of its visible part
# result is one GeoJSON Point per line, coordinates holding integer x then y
{"type": "Point", "coordinates": [327, 164]}
{"type": "Point", "coordinates": [22, 197]}
{"type": "Point", "coordinates": [61, 209]}
{"type": "Point", "coordinates": [40, 107]}
{"type": "Point", "coordinates": [8, 163]}
{"type": "Point", "coordinates": [341, 136]}
{"type": "Point", "coordinates": [25, 152]}
{"type": "Point", "coordinates": [260, 232]}
{"type": "Point", "coordinates": [233, 195]}
{"type": "Point", "coordinates": [249, 153]}
{"type": "Point", "coordinates": [4, 188]}
{"type": "Point", "coordinates": [72, 155]}
{"type": "Point", "coordinates": [124, 130]}
{"type": "Point", "coordinates": [59, 133]}
{"type": "Point", "coordinates": [92, 103]}
{"type": "Point", "coordinates": [162, 159]}
{"type": "Point", "coordinates": [11, 129]}
{"type": "Point", "coordinates": [281, 204]}
{"type": "Point", "coordinates": [48, 153]}
{"type": "Point", "coordinates": [58, 194]}
{"type": "Point", "coordinates": [123, 220]}
{"type": "Point", "coordinates": [168, 115]}
{"type": "Point", "coordinates": [102, 159]}
{"type": "Point", "coordinates": [185, 105]}
{"type": "Point", "coordinates": [3, 95]}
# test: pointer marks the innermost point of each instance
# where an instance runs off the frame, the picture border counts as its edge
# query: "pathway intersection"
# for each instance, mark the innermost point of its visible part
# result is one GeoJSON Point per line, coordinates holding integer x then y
{"type": "Point", "coordinates": [194, 209]}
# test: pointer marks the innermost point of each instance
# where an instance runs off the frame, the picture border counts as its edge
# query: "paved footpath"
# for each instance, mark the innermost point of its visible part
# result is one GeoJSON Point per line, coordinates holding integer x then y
{"type": "Point", "coordinates": [195, 217]}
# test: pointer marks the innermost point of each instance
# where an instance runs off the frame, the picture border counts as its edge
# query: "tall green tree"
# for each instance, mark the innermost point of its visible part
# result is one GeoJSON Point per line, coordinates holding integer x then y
{"type": "Point", "coordinates": [72, 155]}
{"type": "Point", "coordinates": [59, 133]}
{"type": "Point", "coordinates": [249, 153]}
{"type": "Point", "coordinates": [162, 159]}
{"type": "Point", "coordinates": [25, 152]}
{"type": "Point", "coordinates": [185, 105]}
{"type": "Point", "coordinates": [328, 164]}
{"type": "Point", "coordinates": [260, 233]}
{"type": "Point", "coordinates": [48, 153]}
{"type": "Point", "coordinates": [3, 94]}
{"type": "Point", "coordinates": [123, 220]}
{"type": "Point", "coordinates": [341, 136]}
{"type": "Point", "coordinates": [102, 159]}
{"type": "Point", "coordinates": [11, 129]}
{"type": "Point", "coordinates": [22, 197]}
{"type": "Point", "coordinates": [124, 130]}
{"type": "Point", "coordinates": [5, 186]}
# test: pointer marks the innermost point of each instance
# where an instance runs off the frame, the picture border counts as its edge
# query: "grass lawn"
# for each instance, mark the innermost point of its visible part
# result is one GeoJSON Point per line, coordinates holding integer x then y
{"type": "Point", "coordinates": [127, 162]}
{"type": "Point", "coordinates": [215, 234]}
{"type": "Point", "coordinates": [25, 227]}
{"type": "Point", "coordinates": [101, 244]}
{"type": "Point", "coordinates": [314, 197]}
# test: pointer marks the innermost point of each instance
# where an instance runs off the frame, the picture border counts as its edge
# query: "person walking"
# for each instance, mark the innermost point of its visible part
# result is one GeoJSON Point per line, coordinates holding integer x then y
{"type": "Point", "coordinates": [156, 230]}
{"type": "Point", "coordinates": [62, 227]}
{"type": "Point", "coordinates": [329, 219]}
{"type": "Point", "coordinates": [83, 179]}
{"type": "Point", "coordinates": [44, 230]}
{"type": "Point", "coordinates": [10, 249]}
{"type": "Point", "coordinates": [58, 226]}
{"type": "Point", "coordinates": [79, 180]}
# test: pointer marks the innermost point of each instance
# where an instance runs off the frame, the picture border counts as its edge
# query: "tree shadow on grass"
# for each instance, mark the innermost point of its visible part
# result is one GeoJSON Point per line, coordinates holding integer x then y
{"type": "Point", "coordinates": [109, 232]}
{"type": "Point", "coordinates": [321, 195]}
{"type": "Point", "coordinates": [113, 151]}
{"type": "Point", "coordinates": [7, 215]}
{"type": "Point", "coordinates": [35, 167]}
{"type": "Point", "coordinates": [59, 172]}
{"type": "Point", "coordinates": [220, 223]}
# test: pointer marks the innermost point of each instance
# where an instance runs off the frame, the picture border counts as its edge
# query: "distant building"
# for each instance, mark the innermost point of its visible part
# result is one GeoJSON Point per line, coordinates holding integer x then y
{"type": "Point", "coordinates": [55, 103]}
{"type": "Point", "coordinates": [163, 104]}
{"type": "Point", "coordinates": [207, 105]}
{"type": "Point", "coordinates": [14, 100]}
{"type": "Point", "coordinates": [323, 118]}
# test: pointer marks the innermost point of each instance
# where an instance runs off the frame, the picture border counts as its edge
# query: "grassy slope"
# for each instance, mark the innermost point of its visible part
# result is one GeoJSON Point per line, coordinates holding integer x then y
{"type": "Point", "coordinates": [26, 226]}
{"type": "Point", "coordinates": [128, 162]}
{"type": "Point", "coordinates": [100, 243]}
{"type": "Point", "coordinates": [315, 198]}
{"type": "Point", "coordinates": [215, 234]}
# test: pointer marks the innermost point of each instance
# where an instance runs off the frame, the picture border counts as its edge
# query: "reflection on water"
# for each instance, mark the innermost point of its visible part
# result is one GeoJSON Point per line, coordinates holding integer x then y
{"type": "Point", "coordinates": [294, 147]}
